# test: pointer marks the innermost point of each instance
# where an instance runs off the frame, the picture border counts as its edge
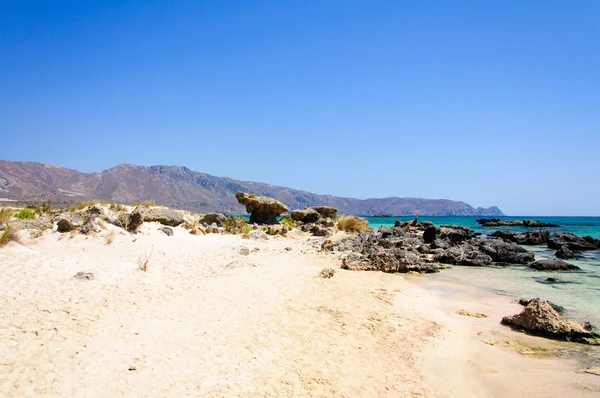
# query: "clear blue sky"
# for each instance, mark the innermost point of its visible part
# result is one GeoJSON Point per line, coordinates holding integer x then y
{"type": "Point", "coordinates": [490, 102]}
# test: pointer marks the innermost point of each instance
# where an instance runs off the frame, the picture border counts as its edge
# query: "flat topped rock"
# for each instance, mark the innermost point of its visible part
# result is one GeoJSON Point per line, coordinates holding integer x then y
{"type": "Point", "coordinates": [262, 209]}
{"type": "Point", "coordinates": [553, 264]}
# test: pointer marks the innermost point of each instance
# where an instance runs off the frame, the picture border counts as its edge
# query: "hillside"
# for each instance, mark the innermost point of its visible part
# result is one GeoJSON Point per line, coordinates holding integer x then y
{"type": "Point", "coordinates": [183, 188]}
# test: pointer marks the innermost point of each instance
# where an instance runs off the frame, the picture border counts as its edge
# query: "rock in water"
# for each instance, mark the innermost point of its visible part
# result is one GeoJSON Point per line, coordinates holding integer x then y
{"type": "Point", "coordinates": [540, 319]}
{"type": "Point", "coordinates": [553, 264]}
{"type": "Point", "coordinates": [262, 209]}
{"type": "Point", "coordinates": [538, 237]}
{"type": "Point", "coordinates": [560, 239]}
{"type": "Point", "coordinates": [566, 253]}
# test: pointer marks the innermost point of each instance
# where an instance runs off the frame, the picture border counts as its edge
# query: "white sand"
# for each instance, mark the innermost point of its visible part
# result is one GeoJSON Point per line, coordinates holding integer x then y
{"type": "Point", "coordinates": [205, 320]}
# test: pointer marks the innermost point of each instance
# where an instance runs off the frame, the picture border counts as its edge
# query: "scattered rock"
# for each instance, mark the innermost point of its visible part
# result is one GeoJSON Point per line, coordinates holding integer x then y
{"type": "Point", "coordinates": [262, 209]}
{"type": "Point", "coordinates": [289, 249]}
{"type": "Point", "coordinates": [166, 230]}
{"type": "Point", "coordinates": [553, 264]}
{"type": "Point", "coordinates": [84, 275]}
{"type": "Point", "coordinates": [319, 231]}
{"type": "Point", "coordinates": [277, 229]}
{"type": "Point", "coordinates": [257, 234]}
{"type": "Point", "coordinates": [214, 218]}
{"type": "Point", "coordinates": [305, 216]}
{"type": "Point", "coordinates": [90, 226]}
{"type": "Point", "coordinates": [540, 319]}
{"type": "Point", "coordinates": [327, 222]}
{"type": "Point", "coordinates": [327, 273]}
{"type": "Point", "coordinates": [244, 251]}
{"type": "Point", "coordinates": [552, 280]}
{"type": "Point", "coordinates": [135, 219]}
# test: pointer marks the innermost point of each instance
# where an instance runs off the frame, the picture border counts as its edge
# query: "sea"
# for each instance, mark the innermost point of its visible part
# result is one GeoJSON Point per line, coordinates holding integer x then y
{"type": "Point", "coordinates": [577, 291]}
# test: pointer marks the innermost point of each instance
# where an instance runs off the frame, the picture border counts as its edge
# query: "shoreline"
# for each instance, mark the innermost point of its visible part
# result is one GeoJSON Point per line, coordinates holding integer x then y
{"type": "Point", "coordinates": [208, 320]}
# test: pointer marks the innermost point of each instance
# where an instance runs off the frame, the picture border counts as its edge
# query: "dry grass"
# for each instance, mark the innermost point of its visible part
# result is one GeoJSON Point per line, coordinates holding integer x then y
{"type": "Point", "coordinates": [327, 273]}
{"type": "Point", "coordinates": [8, 235]}
{"type": "Point", "coordinates": [352, 224]}
{"type": "Point", "coordinates": [6, 215]}
{"type": "Point", "coordinates": [144, 260]}
{"type": "Point", "coordinates": [116, 207]}
{"type": "Point", "coordinates": [147, 203]}
{"type": "Point", "coordinates": [287, 220]}
{"type": "Point", "coordinates": [110, 237]}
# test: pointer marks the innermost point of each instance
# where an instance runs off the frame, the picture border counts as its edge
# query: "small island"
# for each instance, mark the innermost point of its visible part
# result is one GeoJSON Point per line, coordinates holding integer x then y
{"type": "Point", "coordinates": [495, 222]}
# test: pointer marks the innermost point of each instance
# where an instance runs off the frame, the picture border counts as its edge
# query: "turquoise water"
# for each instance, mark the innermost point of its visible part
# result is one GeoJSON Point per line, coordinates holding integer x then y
{"type": "Point", "coordinates": [579, 291]}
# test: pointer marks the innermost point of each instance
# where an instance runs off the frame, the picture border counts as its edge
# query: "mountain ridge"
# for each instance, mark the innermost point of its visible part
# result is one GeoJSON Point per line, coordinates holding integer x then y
{"type": "Point", "coordinates": [181, 187]}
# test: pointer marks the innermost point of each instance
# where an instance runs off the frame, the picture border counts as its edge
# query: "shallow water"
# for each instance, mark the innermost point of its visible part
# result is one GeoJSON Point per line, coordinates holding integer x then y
{"type": "Point", "coordinates": [578, 292]}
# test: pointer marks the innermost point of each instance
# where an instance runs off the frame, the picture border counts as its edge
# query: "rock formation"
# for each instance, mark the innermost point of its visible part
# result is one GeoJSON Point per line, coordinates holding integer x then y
{"type": "Point", "coordinates": [553, 264]}
{"type": "Point", "coordinates": [495, 222]}
{"type": "Point", "coordinates": [262, 209]}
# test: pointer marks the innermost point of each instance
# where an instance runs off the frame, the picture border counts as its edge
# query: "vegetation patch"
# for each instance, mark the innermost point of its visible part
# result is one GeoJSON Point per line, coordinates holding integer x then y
{"type": "Point", "coordinates": [5, 215]}
{"type": "Point", "coordinates": [26, 214]}
{"type": "Point", "coordinates": [287, 220]}
{"type": "Point", "coordinates": [352, 224]}
{"type": "Point", "coordinates": [8, 235]}
{"type": "Point", "coordinates": [237, 225]}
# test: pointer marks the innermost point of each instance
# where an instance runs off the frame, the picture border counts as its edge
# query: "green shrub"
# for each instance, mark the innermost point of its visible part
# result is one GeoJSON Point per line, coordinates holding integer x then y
{"type": "Point", "coordinates": [352, 224]}
{"type": "Point", "coordinates": [237, 225]}
{"type": "Point", "coordinates": [26, 214]}
{"type": "Point", "coordinates": [287, 220]}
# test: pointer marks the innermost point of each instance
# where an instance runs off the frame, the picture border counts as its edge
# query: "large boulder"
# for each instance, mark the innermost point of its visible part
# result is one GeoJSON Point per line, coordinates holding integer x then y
{"type": "Point", "coordinates": [325, 211]}
{"type": "Point", "coordinates": [305, 216]}
{"type": "Point", "coordinates": [537, 237]}
{"type": "Point", "coordinates": [262, 209]}
{"type": "Point", "coordinates": [216, 218]}
{"type": "Point", "coordinates": [540, 319]}
{"type": "Point", "coordinates": [553, 264]}
{"type": "Point", "coordinates": [277, 229]}
{"type": "Point", "coordinates": [162, 215]}
{"type": "Point", "coordinates": [505, 252]}
{"type": "Point", "coordinates": [560, 239]}
{"type": "Point", "coordinates": [565, 252]}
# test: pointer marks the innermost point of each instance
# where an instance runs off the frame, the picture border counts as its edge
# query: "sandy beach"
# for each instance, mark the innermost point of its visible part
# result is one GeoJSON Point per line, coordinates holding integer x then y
{"type": "Point", "coordinates": [208, 319]}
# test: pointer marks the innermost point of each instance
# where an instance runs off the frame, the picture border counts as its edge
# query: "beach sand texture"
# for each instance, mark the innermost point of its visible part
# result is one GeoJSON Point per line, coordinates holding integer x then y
{"type": "Point", "coordinates": [207, 320]}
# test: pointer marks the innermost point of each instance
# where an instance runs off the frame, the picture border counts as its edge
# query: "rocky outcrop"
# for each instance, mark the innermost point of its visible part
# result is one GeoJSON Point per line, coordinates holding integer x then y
{"type": "Point", "coordinates": [537, 237]}
{"type": "Point", "coordinates": [540, 319]}
{"type": "Point", "coordinates": [325, 211]}
{"type": "Point", "coordinates": [573, 242]}
{"type": "Point", "coordinates": [162, 215]}
{"type": "Point", "coordinates": [90, 226]}
{"type": "Point", "coordinates": [277, 229]}
{"type": "Point", "coordinates": [553, 264]}
{"type": "Point", "coordinates": [565, 252]}
{"type": "Point", "coordinates": [495, 222]}
{"type": "Point", "coordinates": [504, 252]}
{"type": "Point", "coordinates": [305, 216]}
{"type": "Point", "coordinates": [262, 209]}
{"type": "Point", "coordinates": [214, 218]}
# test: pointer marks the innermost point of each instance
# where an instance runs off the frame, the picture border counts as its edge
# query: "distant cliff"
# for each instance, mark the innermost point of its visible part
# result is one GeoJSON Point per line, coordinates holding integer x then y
{"type": "Point", "coordinates": [183, 188]}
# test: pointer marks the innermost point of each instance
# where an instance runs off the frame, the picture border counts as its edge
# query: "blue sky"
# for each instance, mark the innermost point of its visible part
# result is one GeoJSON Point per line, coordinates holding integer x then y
{"type": "Point", "coordinates": [489, 102]}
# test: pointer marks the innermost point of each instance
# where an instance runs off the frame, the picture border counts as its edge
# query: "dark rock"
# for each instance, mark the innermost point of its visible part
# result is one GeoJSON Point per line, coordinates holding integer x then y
{"type": "Point", "coordinates": [327, 222]}
{"type": "Point", "coordinates": [289, 249]}
{"type": "Point", "coordinates": [540, 319]}
{"type": "Point", "coordinates": [553, 264]}
{"type": "Point", "coordinates": [262, 209]}
{"type": "Point", "coordinates": [135, 219]}
{"type": "Point", "coordinates": [325, 211]}
{"type": "Point", "coordinates": [63, 225]}
{"type": "Point", "coordinates": [505, 252]}
{"type": "Point", "coordinates": [166, 230]}
{"type": "Point", "coordinates": [429, 234]}
{"type": "Point", "coordinates": [84, 276]}
{"type": "Point", "coordinates": [560, 239]}
{"type": "Point", "coordinates": [566, 253]}
{"type": "Point", "coordinates": [454, 233]}
{"type": "Point", "coordinates": [462, 255]}
{"type": "Point", "coordinates": [537, 237]}
{"type": "Point", "coordinates": [552, 280]}
{"type": "Point", "coordinates": [214, 218]}
{"type": "Point", "coordinates": [494, 222]}
{"type": "Point", "coordinates": [305, 216]}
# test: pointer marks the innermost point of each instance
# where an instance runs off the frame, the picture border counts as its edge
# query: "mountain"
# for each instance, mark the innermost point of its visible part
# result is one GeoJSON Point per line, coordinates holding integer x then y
{"type": "Point", "coordinates": [183, 188]}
